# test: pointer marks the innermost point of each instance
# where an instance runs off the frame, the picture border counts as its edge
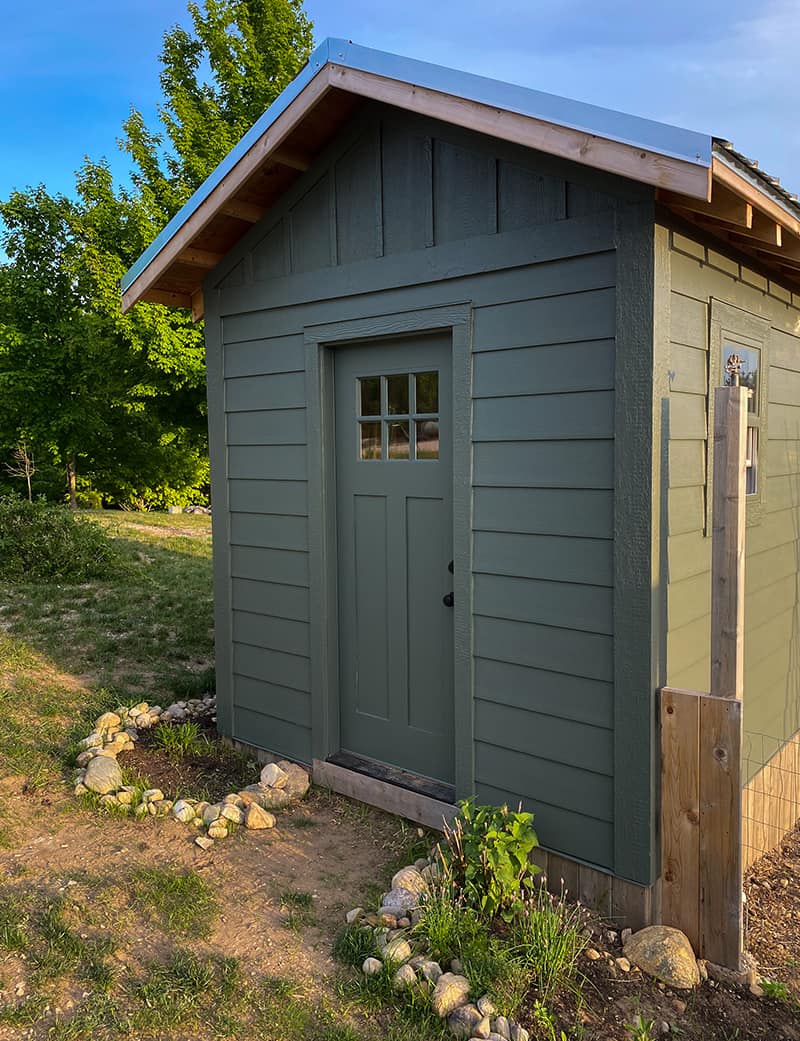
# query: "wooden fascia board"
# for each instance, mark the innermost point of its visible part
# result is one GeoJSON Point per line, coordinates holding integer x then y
{"type": "Point", "coordinates": [269, 141]}
{"type": "Point", "coordinates": [692, 179]}
{"type": "Point", "coordinates": [723, 174]}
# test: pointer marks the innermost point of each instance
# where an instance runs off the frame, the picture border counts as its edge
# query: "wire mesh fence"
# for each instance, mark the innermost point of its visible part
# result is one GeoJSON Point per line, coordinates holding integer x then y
{"type": "Point", "coordinates": [770, 793]}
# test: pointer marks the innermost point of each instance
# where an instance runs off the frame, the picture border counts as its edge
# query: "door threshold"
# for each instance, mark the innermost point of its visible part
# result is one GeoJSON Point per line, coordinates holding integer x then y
{"type": "Point", "coordinates": [394, 775]}
{"type": "Point", "coordinates": [386, 795]}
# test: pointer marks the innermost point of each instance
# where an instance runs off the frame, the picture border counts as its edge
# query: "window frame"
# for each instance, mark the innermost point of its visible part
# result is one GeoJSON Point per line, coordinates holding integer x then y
{"type": "Point", "coordinates": [732, 325]}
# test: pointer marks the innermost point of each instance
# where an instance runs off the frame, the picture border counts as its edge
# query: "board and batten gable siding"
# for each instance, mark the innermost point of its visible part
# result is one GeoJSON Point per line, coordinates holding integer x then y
{"type": "Point", "coordinates": [399, 215]}
{"type": "Point", "coordinates": [699, 276]}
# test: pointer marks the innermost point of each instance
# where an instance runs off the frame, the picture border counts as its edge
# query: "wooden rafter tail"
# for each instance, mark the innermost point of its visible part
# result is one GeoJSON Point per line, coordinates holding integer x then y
{"type": "Point", "coordinates": [292, 158]}
{"type": "Point", "coordinates": [203, 258]}
{"type": "Point", "coordinates": [724, 175]}
{"type": "Point", "coordinates": [724, 207]}
{"type": "Point", "coordinates": [247, 211]}
{"type": "Point", "coordinates": [168, 299]}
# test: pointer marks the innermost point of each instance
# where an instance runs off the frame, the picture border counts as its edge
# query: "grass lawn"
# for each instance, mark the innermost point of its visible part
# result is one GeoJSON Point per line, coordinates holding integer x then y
{"type": "Point", "coordinates": [114, 928]}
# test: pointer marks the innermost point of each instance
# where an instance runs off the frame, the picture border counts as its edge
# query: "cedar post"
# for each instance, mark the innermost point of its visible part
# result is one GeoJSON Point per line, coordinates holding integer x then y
{"type": "Point", "coordinates": [720, 744]}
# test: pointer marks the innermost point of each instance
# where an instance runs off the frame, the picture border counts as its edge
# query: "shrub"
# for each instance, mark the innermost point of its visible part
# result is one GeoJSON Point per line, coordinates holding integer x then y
{"type": "Point", "coordinates": [487, 851]}
{"type": "Point", "coordinates": [40, 541]}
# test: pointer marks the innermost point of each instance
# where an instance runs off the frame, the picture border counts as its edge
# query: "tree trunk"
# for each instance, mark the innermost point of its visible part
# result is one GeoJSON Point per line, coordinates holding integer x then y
{"type": "Point", "coordinates": [71, 485]}
{"type": "Point", "coordinates": [28, 479]}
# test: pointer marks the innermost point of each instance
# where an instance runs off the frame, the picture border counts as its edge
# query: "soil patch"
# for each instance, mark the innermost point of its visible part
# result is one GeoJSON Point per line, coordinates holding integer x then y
{"type": "Point", "coordinates": [772, 912]}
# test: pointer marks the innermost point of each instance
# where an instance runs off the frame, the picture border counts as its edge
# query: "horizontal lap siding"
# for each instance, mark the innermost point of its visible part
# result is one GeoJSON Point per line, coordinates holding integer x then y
{"type": "Point", "coordinates": [772, 600]}
{"type": "Point", "coordinates": [543, 474]}
{"type": "Point", "coordinates": [265, 419]}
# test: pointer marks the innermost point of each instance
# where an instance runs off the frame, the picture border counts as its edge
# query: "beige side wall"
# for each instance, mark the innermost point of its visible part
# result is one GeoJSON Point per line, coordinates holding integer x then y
{"type": "Point", "coordinates": [700, 275]}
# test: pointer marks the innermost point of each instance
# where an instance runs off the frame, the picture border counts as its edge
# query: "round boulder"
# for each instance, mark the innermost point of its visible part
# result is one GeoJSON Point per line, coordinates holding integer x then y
{"type": "Point", "coordinates": [450, 993]}
{"type": "Point", "coordinates": [103, 775]}
{"type": "Point", "coordinates": [665, 954]}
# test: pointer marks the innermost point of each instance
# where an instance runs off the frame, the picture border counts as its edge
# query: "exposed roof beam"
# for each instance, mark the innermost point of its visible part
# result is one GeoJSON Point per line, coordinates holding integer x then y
{"type": "Point", "coordinates": [246, 211]}
{"type": "Point", "coordinates": [200, 258]}
{"type": "Point", "coordinates": [723, 174]}
{"type": "Point", "coordinates": [693, 179]}
{"type": "Point", "coordinates": [292, 158]}
{"type": "Point", "coordinates": [198, 305]}
{"type": "Point", "coordinates": [725, 206]}
{"type": "Point", "coordinates": [163, 296]}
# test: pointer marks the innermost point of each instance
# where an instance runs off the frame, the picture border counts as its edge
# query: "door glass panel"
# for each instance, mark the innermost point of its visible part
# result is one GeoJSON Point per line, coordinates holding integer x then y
{"type": "Point", "coordinates": [427, 438]}
{"type": "Point", "coordinates": [399, 444]}
{"type": "Point", "coordinates": [427, 388]}
{"type": "Point", "coordinates": [370, 440]}
{"type": "Point", "coordinates": [370, 395]}
{"type": "Point", "coordinates": [397, 394]}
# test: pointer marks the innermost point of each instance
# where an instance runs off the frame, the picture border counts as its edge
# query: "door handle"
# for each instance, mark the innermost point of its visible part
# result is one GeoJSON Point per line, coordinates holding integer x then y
{"type": "Point", "coordinates": [448, 599]}
{"type": "Point", "coordinates": [450, 567]}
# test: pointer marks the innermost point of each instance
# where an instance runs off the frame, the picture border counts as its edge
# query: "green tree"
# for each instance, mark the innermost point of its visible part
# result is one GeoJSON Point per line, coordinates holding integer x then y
{"type": "Point", "coordinates": [253, 49]}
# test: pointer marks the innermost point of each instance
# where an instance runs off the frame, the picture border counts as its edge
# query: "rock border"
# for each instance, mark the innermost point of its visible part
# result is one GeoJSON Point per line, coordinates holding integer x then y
{"type": "Point", "coordinates": [279, 785]}
{"type": "Point", "coordinates": [448, 990]}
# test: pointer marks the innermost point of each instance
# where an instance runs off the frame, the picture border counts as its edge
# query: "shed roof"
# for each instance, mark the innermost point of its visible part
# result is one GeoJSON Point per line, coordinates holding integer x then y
{"type": "Point", "coordinates": [700, 177]}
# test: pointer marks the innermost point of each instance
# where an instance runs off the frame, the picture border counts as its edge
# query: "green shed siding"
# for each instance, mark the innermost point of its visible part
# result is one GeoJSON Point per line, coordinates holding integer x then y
{"type": "Point", "coordinates": [699, 276]}
{"type": "Point", "coordinates": [399, 215]}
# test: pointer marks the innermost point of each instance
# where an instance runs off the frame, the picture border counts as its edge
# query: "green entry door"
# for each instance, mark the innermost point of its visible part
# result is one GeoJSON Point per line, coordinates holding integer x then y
{"type": "Point", "coordinates": [395, 548]}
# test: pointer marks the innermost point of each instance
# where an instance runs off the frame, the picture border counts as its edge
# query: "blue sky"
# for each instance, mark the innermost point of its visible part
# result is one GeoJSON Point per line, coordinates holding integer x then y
{"type": "Point", "coordinates": [69, 72]}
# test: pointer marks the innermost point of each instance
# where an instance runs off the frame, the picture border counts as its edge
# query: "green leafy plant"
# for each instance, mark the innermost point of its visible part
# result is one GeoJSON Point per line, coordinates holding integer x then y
{"type": "Point", "coordinates": [41, 541]}
{"type": "Point", "coordinates": [641, 1029]}
{"type": "Point", "coordinates": [487, 850]}
{"type": "Point", "coordinates": [776, 989]}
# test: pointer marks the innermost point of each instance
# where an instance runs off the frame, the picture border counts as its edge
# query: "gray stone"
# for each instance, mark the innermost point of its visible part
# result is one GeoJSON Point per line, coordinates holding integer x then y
{"type": "Point", "coordinates": [354, 915]}
{"type": "Point", "coordinates": [153, 795]}
{"type": "Point", "coordinates": [463, 1020]}
{"type": "Point", "coordinates": [501, 1026]}
{"type": "Point", "coordinates": [404, 978]}
{"type": "Point", "coordinates": [431, 970]}
{"type": "Point", "coordinates": [257, 819]}
{"type": "Point", "coordinates": [273, 777]}
{"type": "Point", "coordinates": [212, 813]}
{"type": "Point", "coordinates": [232, 813]}
{"type": "Point", "coordinates": [450, 993]}
{"type": "Point", "coordinates": [409, 879]}
{"type": "Point", "coordinates": [665, 954]}
{"type": "Point", "coordinates": [275, 798]}
{"type": "Point", "coordinates": [103, 775]}
{"type": "Point", "coordinates": [94, 740]}
{"type": "Point", "coordinates": [518, 1033]}
{"type": "Point", "coordinates": [398, 900]}
{"type": "Point", "coordinates": [298, 781]}
{"type": "Point", "coordinates": [486, 1006]}
{"type": "Point", "coordinates": [397, 950]}
{"type": "Point", "coordinates": [372, 966]}
{"type": "Point", "coordinates": [203, 842]}
{"type": "Point", "coordinates": [456, 966]}
{"type": "Point", "coordinates": [182, 811]}
{"type": "Point", "coordinates": [248, 798]}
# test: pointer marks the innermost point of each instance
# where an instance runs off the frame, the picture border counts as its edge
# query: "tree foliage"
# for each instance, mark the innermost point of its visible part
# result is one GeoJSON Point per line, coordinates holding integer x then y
{"type": "Point", "coordinates": [117, 402]}
{"type": "Point", "coordinates": [252, 49]}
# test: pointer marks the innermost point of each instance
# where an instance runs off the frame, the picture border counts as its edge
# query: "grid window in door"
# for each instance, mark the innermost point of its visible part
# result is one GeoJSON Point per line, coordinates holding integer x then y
{"type": "Point", "coordinates": [398, 416]}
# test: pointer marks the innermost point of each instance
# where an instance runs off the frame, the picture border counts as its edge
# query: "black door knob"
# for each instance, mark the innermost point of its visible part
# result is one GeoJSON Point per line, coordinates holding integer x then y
{"type": "Point", "coordinates": [450, 567]}
{"type": "Point", "coordinates": [448, 599]}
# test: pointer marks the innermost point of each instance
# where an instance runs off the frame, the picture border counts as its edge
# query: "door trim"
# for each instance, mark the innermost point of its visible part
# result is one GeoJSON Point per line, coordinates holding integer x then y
{"type": "Point", "coordinates": [320, 343]}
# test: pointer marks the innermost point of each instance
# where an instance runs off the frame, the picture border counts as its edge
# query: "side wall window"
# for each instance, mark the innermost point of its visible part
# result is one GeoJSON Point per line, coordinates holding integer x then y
{"type": "Point", "coordinates": [739, 343]}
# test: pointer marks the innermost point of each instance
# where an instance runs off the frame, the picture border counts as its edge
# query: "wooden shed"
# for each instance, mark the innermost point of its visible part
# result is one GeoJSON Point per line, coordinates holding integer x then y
{"type": "Point", "coordinates": [462, 339]}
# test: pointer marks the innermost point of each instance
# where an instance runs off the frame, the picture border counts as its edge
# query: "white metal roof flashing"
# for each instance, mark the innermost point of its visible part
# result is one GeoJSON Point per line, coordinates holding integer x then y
{"type": "Point", "coordinates": [661, 138]}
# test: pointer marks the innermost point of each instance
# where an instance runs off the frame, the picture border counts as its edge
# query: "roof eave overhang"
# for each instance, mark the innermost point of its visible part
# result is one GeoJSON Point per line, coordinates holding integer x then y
{"type": "Point", "coordinates": [689, 176]}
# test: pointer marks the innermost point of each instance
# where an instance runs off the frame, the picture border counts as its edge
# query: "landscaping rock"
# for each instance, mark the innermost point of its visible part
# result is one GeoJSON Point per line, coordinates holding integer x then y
{"type": "Point", "coordinates": [397, 951]}
{"type": "Point", "coordinates": [275, 798]}
{"type": "Point", "coordinates": [431, 971]}
{"type": "Point", "coordinates": [410, 880]}
{"type": "Point", "coordinates": [108, 721]}
{"type": "Point", "coordinates": [486, 1006]}
{"type": "Point", "coordinates": [518, 1033]}
{"type": "Point", "coordinates": [298, 781]}
{"type": "Point", "coordinates": [232, 813]}
{"type": "Point", "coordinates": [212, 813]}
{"type": "Point", "coordinates": [153, 795]}
{"type": "Point", "coordinates": [372, 966]}
{"type": "Point", "coordinates": [450, 993]}
{"type": "Point", "coordinates": [666, 954]}
{"type": "Point", "coordinates": [463, 1021]}
{"type": "Point", "coordinates": [103, 775]}
{"type": "Point", "coordinates": [500, 1025]}
{"type": "Point", "coordinates": [217, 830]}
{"type": "Point", "coordinates": [248, 798]}
{"type": "Point", "coordinates": [354, 915]}
{"type": "Point", "coordinates": [182, 811]}
{"type": "Point", "coordinates": [404, 978]}
{"type": "Point", "coordinates": [396, 901]}
{"type": "Point", "coordinates": [232, 799]}
{"type": "Point", "coordinates": [203, 842]}
{"type": "Point", "coordinates": [273, 777]}
{"type": "Point", "coordinates": [257, 819]}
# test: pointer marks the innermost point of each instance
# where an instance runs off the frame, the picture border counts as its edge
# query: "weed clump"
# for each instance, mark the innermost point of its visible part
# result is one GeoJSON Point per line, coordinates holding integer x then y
{"type": "Point", "coordinates": [42, 541]}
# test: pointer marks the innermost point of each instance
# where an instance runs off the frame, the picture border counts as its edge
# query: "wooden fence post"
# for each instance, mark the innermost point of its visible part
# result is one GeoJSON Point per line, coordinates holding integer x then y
{"type": "Point", "coordinates": [720, 745]}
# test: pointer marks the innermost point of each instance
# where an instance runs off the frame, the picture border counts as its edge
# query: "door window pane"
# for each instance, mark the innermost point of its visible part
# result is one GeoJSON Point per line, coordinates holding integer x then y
{"type": "Point", "coordinates": [399, 445]}
{"type": "Point", "coordinates": [397, 394]}
{"type": "Point", "coordinates": [370, 440]}
{"type": "Point", "coordinates": [427, 438]}
{"type": "Point", "coordinates": [370, 395]}
{"type": "Point", "coordinates": [427, 387]}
